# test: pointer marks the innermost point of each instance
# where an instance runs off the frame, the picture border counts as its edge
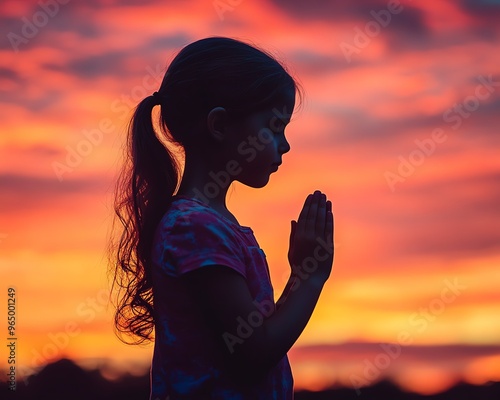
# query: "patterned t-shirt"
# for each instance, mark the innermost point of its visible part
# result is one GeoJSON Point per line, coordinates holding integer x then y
{"type": "Point", "coordinates": [189, 360]}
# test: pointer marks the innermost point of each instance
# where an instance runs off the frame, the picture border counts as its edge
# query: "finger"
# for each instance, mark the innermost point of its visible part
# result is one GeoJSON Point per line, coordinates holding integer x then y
{"type": "Point", "coordinates": [329, 223]}
{"type": "Point", "coordinates": [300, 228]}
{"type": "Point", "coordinates": [312, 214]}
{"type": "Point", "coordinates": [321, 216]}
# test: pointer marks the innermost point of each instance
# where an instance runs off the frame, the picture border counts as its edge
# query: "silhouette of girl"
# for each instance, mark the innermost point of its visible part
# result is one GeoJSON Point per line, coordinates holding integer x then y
{"type": "Point", "coordinates": [183, 264]}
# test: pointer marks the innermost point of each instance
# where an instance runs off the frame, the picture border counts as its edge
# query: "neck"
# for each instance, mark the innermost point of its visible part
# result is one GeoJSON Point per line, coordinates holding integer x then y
{"type": "Point", "coordinates": [203, 180]}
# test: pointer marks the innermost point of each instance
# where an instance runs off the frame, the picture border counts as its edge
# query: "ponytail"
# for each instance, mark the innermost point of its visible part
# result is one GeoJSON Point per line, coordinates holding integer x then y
{"type": "Point", "coordinates": [144, 190]}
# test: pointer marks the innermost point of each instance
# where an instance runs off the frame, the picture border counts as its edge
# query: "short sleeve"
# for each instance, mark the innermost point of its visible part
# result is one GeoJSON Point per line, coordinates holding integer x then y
{"type": "Point", "coordinates": [199, 239]}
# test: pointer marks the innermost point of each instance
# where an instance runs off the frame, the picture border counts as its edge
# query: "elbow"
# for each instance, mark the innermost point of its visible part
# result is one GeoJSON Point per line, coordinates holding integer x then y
{"type": "Point", "coordinates": [248, 370]}
{"type": "Point", "coordinates": [249, 358]}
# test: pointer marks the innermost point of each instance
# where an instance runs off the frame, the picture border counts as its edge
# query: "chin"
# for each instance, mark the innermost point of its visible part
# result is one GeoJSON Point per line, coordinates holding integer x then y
{"type": "Point", "coordinates": [255, 182]}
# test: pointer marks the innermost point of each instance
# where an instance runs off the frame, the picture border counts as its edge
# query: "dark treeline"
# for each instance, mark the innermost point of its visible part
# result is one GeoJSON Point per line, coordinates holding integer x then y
{"type": "Point", "coordinates": [64, 379]}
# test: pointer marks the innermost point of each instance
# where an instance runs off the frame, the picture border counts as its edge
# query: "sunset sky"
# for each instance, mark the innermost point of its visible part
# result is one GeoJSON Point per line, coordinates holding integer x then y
{"type": "Point", "coordinates": [399, 127]}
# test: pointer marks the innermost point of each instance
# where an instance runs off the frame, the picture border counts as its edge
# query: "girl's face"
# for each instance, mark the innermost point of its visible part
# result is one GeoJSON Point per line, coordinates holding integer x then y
{"type": "Point", "coordinates": [258, 143]}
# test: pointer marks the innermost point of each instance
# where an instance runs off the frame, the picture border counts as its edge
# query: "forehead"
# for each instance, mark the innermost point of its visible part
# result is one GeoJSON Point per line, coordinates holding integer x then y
{"type": "Point", "coordinates": [287, 101]}
{"type": "Point", "coordinates": [281, 109]}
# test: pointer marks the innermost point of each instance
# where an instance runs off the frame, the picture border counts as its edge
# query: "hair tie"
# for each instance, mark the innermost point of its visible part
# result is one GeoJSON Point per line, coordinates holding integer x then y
{"type": "Point", "coordinates": [157, 97]}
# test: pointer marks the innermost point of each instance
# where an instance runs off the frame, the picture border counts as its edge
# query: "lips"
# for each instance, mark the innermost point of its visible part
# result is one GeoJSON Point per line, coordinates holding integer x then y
{"type": "Point", "coordinates": [276, 166]}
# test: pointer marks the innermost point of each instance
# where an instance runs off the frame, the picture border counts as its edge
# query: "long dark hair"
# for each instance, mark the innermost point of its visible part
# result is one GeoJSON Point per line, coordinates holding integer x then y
{"type": "Point", "coordinates": [210, 72]}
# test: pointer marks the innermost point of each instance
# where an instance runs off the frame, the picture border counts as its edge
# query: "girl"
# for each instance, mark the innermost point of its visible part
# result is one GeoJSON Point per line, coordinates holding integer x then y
{"type": "Point", "coordinates": [183, 264]}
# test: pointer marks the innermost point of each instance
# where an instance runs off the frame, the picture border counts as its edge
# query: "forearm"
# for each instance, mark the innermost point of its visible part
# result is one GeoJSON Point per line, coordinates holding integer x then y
{"type": "Point", "coordinates": [284, 327]}
{"type": "Point", "coordinates": [269, 343]}
{"type": "Point", "coordinates": [262, 346]}
{"type": "Point", "coordinates": [288, 287]}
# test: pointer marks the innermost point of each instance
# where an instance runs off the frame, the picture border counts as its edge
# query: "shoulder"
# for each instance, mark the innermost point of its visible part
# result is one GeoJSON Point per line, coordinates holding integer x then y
{"type": "Point", "coordinates": [192, 235]}
{"type": "Point", "coordinates": [184, 211]}
{"type": "Point", "coordinates": [191, 215]}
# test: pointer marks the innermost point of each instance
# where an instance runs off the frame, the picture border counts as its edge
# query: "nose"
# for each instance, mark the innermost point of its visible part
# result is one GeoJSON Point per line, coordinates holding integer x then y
{"type": "Point", "coordinates": [284, 146]}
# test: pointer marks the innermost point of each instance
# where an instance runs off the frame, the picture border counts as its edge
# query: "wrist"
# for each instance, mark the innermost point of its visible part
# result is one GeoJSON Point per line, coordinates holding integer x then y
{"type": "Point", "coordinates": [315, 281]}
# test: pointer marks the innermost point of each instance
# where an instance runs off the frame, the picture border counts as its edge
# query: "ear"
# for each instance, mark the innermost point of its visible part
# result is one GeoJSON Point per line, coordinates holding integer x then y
{"type": "Point", "coordinates": [216, 123]}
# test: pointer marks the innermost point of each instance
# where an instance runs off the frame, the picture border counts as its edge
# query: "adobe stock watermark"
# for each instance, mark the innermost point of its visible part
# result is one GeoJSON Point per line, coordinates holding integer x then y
{"type": "Point", "coordinates": [94, 137]}
{"type": "Point", "coordinates": [223, 6]}
{"type": "Point", "coordinates": [373, 368]}
{"type": "Point", "coordinates": [57, 342]}
{"type": "Point", "coordinates": [255, 319]}
{"type": "Point", "coordinates": [248, 147]}
{"type": "Point", "coordinates": [31, 27]}
{"type": "Point", "coordinates": [427, 146]}
{"type": "Point", "coordinates": [246, 326]}
{"type": "Point", "coordinates": [363, 37]}
{"type": "Point", "coordinates": [309, 265]}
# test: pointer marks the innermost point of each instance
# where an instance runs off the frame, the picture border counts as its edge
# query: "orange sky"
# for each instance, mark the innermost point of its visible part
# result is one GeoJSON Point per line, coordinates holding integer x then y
{"type": "Point", "coordinates": [399, 128]}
